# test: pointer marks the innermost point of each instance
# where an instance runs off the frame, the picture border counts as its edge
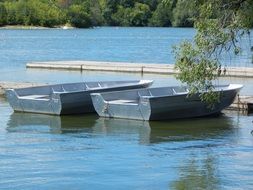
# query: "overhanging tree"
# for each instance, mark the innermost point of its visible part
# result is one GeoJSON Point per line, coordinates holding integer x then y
{"type": "Point", "coordinates": [219, 26]}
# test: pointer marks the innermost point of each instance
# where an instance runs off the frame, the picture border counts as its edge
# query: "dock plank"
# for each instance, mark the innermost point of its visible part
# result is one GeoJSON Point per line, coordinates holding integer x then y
{"type": "Point", "coordinates": [242, 103]}
{"type": "Point", "coordinates": [128, 67]}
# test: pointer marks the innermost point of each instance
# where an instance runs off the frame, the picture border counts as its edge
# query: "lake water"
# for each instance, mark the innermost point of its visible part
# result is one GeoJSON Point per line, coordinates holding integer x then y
{"type": "Point", "coordinates": [144, 45]}
{"type": "Point", "coordinates": [87, 152]}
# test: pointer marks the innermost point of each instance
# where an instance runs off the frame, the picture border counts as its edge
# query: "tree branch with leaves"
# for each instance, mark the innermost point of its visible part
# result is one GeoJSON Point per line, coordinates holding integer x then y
{"type": "Point", "coordinates": [219, 26]}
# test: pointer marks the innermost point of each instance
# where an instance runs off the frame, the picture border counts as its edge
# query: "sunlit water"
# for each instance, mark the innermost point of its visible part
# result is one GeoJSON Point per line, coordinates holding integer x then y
{"type": "Point", "coordinates": [87, 152]}
{"type": "Point", "coordinates": [143, 45]}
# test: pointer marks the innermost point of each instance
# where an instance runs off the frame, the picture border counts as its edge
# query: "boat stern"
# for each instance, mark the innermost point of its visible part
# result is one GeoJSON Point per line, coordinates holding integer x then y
{"type": "Point", "coordinates": [13, 99]}
{"type": "Point", "coordinates": [100, 105]}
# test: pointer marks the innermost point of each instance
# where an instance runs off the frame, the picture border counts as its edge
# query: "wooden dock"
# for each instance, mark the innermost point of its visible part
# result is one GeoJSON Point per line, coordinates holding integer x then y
{"type": "Point", "coordinates": [243, 103]}
{"type": "Point", "coordinates": [127, 67]}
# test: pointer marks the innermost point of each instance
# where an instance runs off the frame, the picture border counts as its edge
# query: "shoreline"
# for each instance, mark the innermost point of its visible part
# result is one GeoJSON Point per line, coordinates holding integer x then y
{"type": "Point", "coordinates": [72, 27]}
{"type": "Point", "coordinates": [24, 27]}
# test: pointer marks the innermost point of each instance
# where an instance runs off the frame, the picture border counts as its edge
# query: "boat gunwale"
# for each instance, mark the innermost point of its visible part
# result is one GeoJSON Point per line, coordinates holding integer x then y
{"type": "Point", "coordinates": [147, 97]}
{"type": "Point", "coordinates": [103, 88]}
{"type": "Point", "coordinates": [126, 83]}
{"type": "Point", "coordinates": [141, 81]}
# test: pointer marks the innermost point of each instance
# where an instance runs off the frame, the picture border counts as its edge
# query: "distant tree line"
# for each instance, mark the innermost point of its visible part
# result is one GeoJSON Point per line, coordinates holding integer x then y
{"type": "Point", "coordinates": [88, 13]}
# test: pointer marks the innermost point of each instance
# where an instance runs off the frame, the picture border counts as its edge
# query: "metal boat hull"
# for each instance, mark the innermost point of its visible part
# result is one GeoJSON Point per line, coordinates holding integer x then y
{"type": "Point", "coordinates": [64, 99]}
{"type": "Point", "coordinates": [159, 103]}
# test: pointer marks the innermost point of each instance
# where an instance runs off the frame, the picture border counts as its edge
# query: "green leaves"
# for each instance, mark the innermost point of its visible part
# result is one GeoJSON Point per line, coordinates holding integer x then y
{"type": "Point", "coordinates": [79, 16]}
{"type": "Point", "coordinates": [196, 70]}
{"type": "Point", "coordinates": [136, 16]}
{"type": "Point", "coordinates": [162, 16]}
{"type": "Point", "coordinates": [3, 14]}
{"type": "Point", "coordinates": [140, 14]}
{"type": "Point", "coordinates": [182, 13]}
{"type": "Point", "coordinates": [218, 31]}
{"type": "Point", "coordinates": [33, 12]}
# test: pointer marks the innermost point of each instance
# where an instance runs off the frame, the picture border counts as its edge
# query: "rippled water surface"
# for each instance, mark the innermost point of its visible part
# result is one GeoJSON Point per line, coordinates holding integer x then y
{"type": "Point", "coordinates": [87, 152]}
{"type": "Point", "coordinates": [145, 45]}
{"type": "Point", "coordinates": [148, 45]}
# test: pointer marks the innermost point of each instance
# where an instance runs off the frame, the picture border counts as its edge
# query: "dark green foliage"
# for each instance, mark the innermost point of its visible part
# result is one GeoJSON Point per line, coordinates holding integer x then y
{"type": "Point", "coordinates": [162, 16]}
{"type": "Point", "coordinates": [88, 13]}
{"type": "Point", "coordinates": [136, 16]}
{"type": "Point", "coordinates": [184, 12]}
{"type": "Point", "coordinates": [140, 15]}
{"type": "Point", "coordinates": [127, 3]}
{"type": "Point", "coordinates": [151, 3]}
{"type": "Point", "coordinates": [79, 16]}
{"type": "Point", "coordinates": [33, 12]}
{"type": "Point", "coordinates": [3, 15]}
{"type": "Point", "coordinates": [96, 16]}
{"type": "Point", "coordinates": [122, 17]}
{"type": "Point", "coordinates": [109, 9]}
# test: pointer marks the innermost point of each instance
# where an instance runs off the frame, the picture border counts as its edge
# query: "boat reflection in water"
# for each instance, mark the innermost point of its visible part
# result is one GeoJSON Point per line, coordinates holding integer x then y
{"type": "Point", "coordinates": [145, 132]}
{"type": "Point", "coordinates": [176, 130]}
{"type": "Point", "coordinates": [40, 123]}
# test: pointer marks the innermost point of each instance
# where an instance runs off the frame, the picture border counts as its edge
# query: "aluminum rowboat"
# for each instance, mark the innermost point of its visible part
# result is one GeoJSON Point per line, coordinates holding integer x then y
{"type": "Point", "coordinates": [63, 99]}
{"type": "Point", "coordinates": [160, 103]}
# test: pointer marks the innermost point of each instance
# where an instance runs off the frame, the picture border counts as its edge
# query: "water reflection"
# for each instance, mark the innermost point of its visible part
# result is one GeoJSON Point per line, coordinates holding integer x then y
{"type": "Point", "coordinates": [194, 174]}
{"type": "Point", "coordinates": [40, 123]}
{"type": "Point", "coordinates": [183, 149]}
{"type": "Point", "coordinates": [145, 132]}
{"type": "Point", "coordinates": [192, 129]}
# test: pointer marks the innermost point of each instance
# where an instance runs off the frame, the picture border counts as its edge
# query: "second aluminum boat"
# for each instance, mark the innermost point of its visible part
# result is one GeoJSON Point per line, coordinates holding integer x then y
{"type": "Point", "coordinates": [160, 103]}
